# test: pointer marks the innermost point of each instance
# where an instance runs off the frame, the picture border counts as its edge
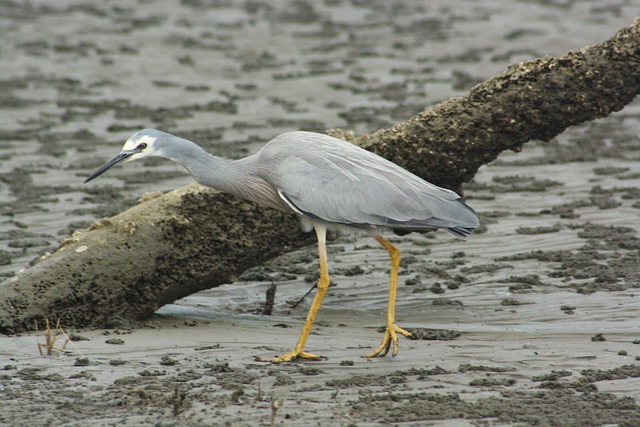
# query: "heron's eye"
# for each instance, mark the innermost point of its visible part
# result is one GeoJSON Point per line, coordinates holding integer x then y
{"type": "Point", "coordinates": [142, 146]}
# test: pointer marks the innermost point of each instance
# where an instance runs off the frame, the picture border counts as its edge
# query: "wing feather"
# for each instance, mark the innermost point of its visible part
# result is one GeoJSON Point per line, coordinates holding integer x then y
{"type": "Point", "coordinates": [334, 181]}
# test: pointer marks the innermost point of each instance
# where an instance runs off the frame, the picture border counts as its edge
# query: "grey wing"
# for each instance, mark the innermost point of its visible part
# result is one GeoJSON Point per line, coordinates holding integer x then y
{"type": "Point", "coordinates": [347, 185]}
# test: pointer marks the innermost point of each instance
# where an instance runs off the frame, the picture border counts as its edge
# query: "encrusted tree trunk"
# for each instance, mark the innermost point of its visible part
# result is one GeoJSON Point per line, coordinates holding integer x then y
{"type": "Point", "coordinates": [194, 238]}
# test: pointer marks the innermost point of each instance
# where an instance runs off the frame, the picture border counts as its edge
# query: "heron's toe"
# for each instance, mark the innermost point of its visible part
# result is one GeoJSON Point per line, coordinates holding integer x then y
{"type": "Point", "coordinates": [390, 338]}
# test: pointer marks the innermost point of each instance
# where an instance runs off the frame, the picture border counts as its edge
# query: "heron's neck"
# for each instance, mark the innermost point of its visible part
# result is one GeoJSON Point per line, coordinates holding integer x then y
{"type": "Point", "coordinates": [237, 177]}
{"type": "Point", "coordinates": [205, 168]}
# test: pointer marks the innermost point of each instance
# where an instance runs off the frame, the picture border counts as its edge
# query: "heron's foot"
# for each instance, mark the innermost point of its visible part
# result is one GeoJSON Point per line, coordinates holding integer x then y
{"type": "Point", "coordinates": [291, 356]}
{"type": "Point", "coordinates": [390, 337]}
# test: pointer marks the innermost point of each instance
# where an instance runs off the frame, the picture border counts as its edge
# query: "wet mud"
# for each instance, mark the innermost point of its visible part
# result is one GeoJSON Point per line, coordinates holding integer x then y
{"type": "Point", "coordinates": [533, 320]}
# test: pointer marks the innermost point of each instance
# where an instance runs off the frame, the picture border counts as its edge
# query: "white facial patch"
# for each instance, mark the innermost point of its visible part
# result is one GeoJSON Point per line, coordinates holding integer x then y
{"type": "Point", "coordinates": [135, 140]}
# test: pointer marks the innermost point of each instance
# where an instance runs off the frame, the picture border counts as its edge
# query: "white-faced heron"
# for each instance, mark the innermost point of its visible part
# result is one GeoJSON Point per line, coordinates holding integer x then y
{"type": "Point", "coordinates": [330, 184]}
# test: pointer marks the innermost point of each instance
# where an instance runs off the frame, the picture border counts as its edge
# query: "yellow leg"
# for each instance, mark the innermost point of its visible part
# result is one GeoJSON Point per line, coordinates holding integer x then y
{"type": "Point", "coordinates": [392, 331]}
{"type": "Point", "coordinates": [323, 285]}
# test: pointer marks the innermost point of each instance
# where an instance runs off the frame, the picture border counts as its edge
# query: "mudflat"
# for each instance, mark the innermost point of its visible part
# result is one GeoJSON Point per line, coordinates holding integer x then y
{"type": "Point", "coordinates": [533, 320]}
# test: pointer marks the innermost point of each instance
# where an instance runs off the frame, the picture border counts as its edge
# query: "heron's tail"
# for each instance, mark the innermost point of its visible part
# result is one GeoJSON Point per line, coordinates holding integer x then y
{"type": "Point", "coordinates": [461, 231]}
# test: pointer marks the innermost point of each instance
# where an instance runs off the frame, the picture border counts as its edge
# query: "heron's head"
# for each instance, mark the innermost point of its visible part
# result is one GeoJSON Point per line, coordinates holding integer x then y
{"type": "Point", "coordinates": [141, 144]}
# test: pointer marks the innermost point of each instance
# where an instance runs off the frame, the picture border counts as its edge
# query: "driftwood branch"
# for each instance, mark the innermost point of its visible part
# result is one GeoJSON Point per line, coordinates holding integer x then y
{"type": "Point", "coordinates": [194, 238]}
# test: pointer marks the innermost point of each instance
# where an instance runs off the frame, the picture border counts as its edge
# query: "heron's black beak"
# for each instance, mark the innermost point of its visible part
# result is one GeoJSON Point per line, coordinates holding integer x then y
{"type": "Point", "coordinates": [123, 155]}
